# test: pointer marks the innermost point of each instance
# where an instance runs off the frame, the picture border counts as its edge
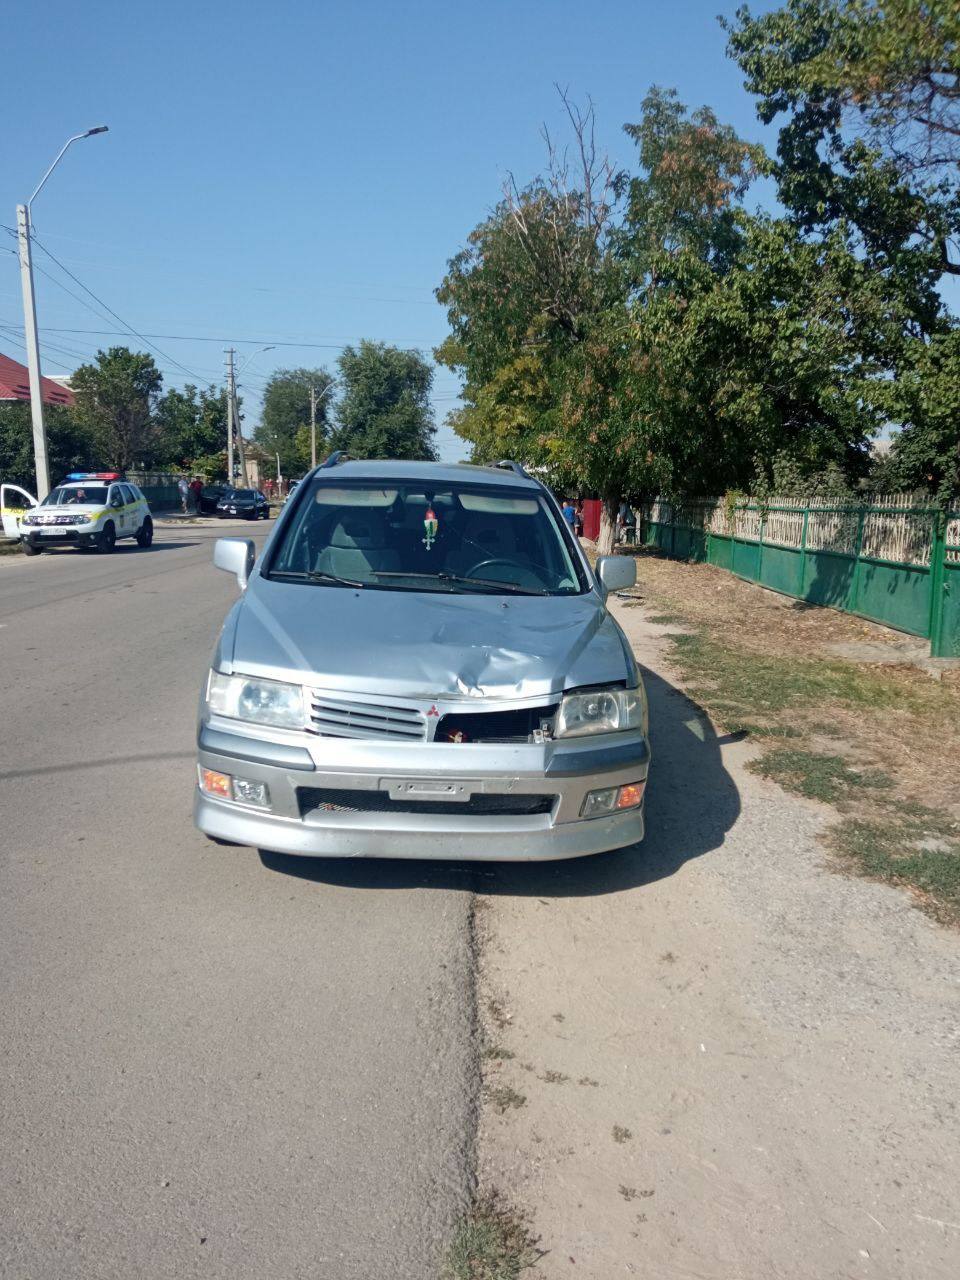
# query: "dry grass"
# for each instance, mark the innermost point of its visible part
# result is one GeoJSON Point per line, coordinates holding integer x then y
{"type": "Point", "coordinates": [874, 735]}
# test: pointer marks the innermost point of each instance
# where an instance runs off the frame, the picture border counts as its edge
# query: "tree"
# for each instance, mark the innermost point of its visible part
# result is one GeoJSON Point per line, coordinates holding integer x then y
{"type": "Point", "coordinates": [190, 426]}
{"type": "Point", "coordinates": [116, 398]}
{"type": "Point", "coordinates": [555, 303]}
{"type": "Point", "coordinates": [926, 451]}
{"type": "Point", "coordinates": [869, 98]}
{"type": "Point", "coordinates": [285, 417]}
{"type": "Point", "coordinates": [384, 409]}
{"type": "Point", "coordinates": [71, 445]}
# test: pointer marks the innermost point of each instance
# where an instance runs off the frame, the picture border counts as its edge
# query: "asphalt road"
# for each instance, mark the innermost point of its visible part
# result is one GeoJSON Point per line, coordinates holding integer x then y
{"type": "Point", "coordinates": [210, 1065]}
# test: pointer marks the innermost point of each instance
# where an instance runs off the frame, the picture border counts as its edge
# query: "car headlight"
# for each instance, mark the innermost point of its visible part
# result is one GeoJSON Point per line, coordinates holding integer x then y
{"type": "Point", "coordinates": [258, 701]}
{"type": "Point", "coordinates": [28, 519]}
{"type": "Point", "coordinates": [601, 711]}
{"type": "Point", "coordinates": [82, 519]}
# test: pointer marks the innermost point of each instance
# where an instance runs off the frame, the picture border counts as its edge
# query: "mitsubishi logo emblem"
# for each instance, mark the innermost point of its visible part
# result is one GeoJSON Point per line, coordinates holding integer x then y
{"type": "Point", "coordinates": [433, 710]}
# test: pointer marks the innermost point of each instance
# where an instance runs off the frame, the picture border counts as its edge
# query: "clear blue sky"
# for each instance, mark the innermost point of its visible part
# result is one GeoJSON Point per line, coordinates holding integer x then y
{"type": "Point", "coordinates": [301, 172]}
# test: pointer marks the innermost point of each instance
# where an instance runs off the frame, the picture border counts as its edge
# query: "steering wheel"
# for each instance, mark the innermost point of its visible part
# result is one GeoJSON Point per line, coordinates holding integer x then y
{"type": "Point", "coordinates": [517, 571]}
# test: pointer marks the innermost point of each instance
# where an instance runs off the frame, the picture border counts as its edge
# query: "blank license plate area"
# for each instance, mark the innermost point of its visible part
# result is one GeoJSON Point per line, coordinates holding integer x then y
{"type": "Point", "coordinates": [432, 789]}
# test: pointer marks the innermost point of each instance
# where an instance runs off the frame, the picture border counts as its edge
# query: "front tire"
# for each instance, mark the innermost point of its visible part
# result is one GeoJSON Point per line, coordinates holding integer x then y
{"type": "Point", "coordinates": [145, 533]}
{"type": "Point", "coordinates": [29, 550]}
{"type": "Point", "coordinates": [108, 539]}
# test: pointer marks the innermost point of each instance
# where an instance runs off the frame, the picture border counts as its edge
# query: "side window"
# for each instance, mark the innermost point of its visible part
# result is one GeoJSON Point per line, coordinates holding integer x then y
{"type": "Point", "coordinates": [128, 494]}
{"type": "Point", "coordinates": [115, 495]}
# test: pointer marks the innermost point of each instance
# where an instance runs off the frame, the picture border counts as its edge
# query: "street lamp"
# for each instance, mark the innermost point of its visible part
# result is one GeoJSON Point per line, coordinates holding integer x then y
{"type": "Point", "coordinates": [24, 227]}
{"type": "Point", "coordinates": [314, 401]}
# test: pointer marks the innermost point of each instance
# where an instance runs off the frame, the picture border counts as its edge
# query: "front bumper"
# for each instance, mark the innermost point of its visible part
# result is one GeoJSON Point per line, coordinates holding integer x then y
{"type": "Point", "coordinates": [565, 771]}
{"type": "Point", "coordinates": [52, 536]}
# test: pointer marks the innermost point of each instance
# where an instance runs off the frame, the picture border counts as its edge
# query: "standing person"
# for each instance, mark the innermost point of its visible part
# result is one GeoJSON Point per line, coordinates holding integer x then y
{"type": "Point", "coordinates": [196, 488]}
{"type": "Point", "coordinates": [568, 511]}
{"type": "Point", "coordinates": [184, 490]}
{"type": "Point", "coordinates": [578, 518]}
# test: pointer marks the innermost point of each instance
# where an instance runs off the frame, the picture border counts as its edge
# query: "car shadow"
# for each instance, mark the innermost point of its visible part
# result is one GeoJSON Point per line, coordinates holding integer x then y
{"type": "Point", "coordinates": [692, 802]}
{"type": "Point", "coordinates": [121, 549]}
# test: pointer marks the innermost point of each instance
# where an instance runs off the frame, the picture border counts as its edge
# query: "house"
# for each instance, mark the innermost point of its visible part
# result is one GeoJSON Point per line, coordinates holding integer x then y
{"type": "Point", "coordinates": [15, 385]}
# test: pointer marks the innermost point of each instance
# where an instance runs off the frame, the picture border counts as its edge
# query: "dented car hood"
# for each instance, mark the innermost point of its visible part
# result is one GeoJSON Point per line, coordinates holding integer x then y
{"type": "Point", "coordinates": [423, 644]}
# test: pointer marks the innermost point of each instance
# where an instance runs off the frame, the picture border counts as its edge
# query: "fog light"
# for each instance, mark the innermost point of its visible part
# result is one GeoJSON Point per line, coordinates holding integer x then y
{"type": "Point", "coordinates": [598, 802]}
{"type": "Point", "coordinates": [246, 791]}
{"type": "Point", "coordinates": [630, 795]}
{"type": "Point", "coordinates": [215, 784]}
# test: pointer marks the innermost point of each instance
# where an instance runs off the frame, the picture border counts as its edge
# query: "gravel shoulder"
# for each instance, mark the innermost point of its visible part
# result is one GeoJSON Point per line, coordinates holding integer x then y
{"type": "Point", "coordinates": [727, 1060]}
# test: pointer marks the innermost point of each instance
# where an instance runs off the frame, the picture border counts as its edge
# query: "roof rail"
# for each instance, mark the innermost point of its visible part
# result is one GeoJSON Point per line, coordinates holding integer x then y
{"type": "Point", "coordinates": [338, 456]}
{"type": "Point", "coordinates": [507, 464]}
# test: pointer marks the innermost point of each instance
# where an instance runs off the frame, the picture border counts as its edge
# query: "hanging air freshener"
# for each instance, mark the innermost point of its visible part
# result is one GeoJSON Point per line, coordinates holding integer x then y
{"type": "Point", "coordinates": [430, 525]}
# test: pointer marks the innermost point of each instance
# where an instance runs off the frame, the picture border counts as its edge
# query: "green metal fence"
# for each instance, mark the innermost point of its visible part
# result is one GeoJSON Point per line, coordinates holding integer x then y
{"type": "Point", "coordinates": [889, 560]}
{"type": "Point", "coordinates": [160, 488]}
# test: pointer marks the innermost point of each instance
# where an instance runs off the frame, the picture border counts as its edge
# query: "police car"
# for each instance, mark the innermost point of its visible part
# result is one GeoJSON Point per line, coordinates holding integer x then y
{"type": "Point", "coordinates": [89, 509]}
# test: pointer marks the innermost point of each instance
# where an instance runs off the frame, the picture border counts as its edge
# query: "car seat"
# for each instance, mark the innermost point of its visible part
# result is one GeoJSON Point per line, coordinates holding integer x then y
{"type": "Point", "coordinates": [358, 544]}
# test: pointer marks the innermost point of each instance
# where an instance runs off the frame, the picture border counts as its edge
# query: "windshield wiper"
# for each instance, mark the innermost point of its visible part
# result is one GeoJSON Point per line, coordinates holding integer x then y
{"type": "Point", "coordinates": [489, 584]}
{"type": "Point", "coordinates": [316, 575]}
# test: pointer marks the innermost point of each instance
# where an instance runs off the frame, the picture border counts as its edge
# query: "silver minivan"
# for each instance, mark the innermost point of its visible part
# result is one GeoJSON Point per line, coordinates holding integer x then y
{"type": "Point", "coordinates": [421, 665]}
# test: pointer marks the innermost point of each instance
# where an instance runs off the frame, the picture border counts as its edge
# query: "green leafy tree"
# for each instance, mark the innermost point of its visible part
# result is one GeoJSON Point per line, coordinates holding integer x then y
{"type": "Point", "coordinates": [384, 408]}
{"type": "Point", "coordinates": [71, 445]}
{"type": "Point", "coordinates": [868, 98]}
{"type": "Point", "coordinates": [190, 426]}
{"type": "Point", "coordinates": [558, 303]}
{"type": "Point", "coordinates": [285, 416]}
{"type": "Point", "coordinates": [926, 450]}
{"type": "Point", "coordinates": [116, 399]}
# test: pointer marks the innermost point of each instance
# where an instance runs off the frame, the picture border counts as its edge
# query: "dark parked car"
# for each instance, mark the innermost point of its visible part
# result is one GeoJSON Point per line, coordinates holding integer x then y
{"type": "Point", "coordinates": [246, 504]}
{"type": "Point", "coordinates": [210, 495]}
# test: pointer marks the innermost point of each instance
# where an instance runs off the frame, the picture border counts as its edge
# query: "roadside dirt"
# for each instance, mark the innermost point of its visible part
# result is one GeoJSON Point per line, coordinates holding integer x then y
{"type": "Point", "coordinates": [709, 1056]}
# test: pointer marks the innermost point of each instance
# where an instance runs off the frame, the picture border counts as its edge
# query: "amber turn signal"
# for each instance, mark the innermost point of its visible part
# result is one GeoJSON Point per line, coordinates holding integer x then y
{"type": "Point", "coordinates": [216, 784]}
{"type": "Point", "coordinates": [629, 797]}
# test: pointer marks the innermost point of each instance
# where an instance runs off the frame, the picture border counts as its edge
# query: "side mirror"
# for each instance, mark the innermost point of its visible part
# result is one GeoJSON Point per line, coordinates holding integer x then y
{"type": "Point", "coordinates": [236, 555]}
{"type": "Point", "coordinates": [116, 502]}
{"type": "Point", "coordinates": [616, 573]}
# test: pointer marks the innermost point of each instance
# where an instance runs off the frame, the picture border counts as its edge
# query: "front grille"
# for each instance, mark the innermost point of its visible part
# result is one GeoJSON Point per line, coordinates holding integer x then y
{"type": "Point", "coordinates": [55, 519]}
{"type": "Point", "coordinates": [330, 800]}
{"type": "Point", "coordinates": [334, 718]}
{"type": "Point", "coordinates": [518, 725]}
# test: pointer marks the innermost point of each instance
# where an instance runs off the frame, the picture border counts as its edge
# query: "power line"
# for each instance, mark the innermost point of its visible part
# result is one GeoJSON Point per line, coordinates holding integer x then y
{"type": "Point", "coordinates": [127, 326]}
{"type": "Point", "coordinates": [189, 337]}
{"type": "Point", "coordinates": [5, 337]}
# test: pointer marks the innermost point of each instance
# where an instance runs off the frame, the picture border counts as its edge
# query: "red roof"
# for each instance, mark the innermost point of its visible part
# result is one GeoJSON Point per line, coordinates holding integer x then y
{"type": "Point", "coordinates": [15, 384]}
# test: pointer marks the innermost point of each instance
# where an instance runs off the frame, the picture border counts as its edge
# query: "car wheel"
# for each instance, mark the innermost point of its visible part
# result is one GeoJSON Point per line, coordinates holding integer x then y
{"type": "Point", "coordinates": [29, 550]}
{"type": "Point", "coordinates": [108, 538]}
{"type": "Point", "coordinates": [145, 533]}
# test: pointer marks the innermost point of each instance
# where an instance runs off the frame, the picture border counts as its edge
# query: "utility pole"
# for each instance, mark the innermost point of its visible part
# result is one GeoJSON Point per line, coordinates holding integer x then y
{"type": "Point", "coordinates": [24, 227]}
{"type": "Point", "coordinates": [230, 391]}
{"type": "Point", "coordinates": [33, 352]}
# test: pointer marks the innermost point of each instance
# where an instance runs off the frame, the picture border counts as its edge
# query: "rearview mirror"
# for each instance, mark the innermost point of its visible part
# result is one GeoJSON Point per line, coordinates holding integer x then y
{"type": "Point", "coordinates": [616, 573]}
{"type": "Point", "coordinates": [236, 555]}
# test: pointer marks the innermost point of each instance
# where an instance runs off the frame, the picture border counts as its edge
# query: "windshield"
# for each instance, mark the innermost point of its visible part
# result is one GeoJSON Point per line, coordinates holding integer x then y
{"type": "Point", "coordinates": [412, 537]}
{"type": "Point", "coordinates": [237, 495]}
{"type": "Point", "coordinates": [95, 494]}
